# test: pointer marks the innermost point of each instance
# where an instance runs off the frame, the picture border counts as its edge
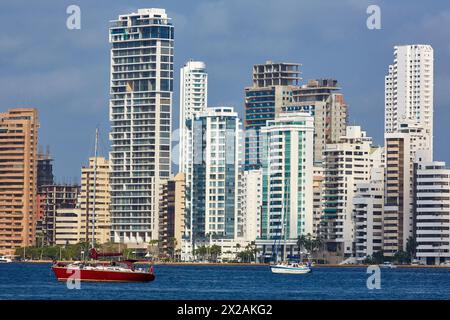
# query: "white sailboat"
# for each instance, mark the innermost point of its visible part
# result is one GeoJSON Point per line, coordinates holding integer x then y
{"type": "Point", "coordinates": [288, 267]}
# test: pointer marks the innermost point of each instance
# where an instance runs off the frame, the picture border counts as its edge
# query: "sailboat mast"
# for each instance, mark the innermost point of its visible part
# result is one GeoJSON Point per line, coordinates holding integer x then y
{"type": "Point", "coordinates": [95, 187]}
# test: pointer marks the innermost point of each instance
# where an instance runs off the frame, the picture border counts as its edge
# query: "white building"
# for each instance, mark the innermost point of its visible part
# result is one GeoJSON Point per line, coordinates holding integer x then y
{"type": "Point", "coordinates": [409, 89]}
{"type": "Point", "coordinates": [432, 212]}
{"type": "Point", "coordinates": [346, 164]}
{"type": "Point", "coordinates": [248, 220]}
{"type": "Point", "coordinates": [140, 116]}
{"type": "Point", "coordinates": [193, 101]}
{"type": "Point", "coordinates": [287, 210]}
{"type": "Point", "coordinates": [368, 205]}
{"type": "Point", "coordinates": [212, 202]}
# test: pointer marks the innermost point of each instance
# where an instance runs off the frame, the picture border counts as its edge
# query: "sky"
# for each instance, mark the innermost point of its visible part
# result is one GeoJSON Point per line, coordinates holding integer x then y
{"type": "Point", "coordinates": [65, 73]}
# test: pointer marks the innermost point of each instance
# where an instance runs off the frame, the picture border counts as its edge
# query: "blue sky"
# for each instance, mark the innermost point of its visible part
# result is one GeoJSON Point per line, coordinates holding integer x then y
{"type": "Point", "coordinates": [65, 73]}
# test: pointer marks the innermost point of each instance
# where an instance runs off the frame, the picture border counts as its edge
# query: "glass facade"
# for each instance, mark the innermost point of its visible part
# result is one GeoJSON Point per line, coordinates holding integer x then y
{"type": "Point", "coordinates": [287, 177]}
{"type": "Point", "coordinates": [259, 107]}
{"type": "Point", "coordinates": [215, 158]}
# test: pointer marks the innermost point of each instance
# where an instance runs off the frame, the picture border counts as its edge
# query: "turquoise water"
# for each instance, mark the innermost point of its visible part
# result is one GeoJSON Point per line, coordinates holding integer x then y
{"type": "Point", "coordinates": [37, 282]}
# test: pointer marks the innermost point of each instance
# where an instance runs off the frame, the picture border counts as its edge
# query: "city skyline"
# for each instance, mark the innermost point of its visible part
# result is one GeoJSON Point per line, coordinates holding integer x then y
{"type": "Point", "coordinates": [75, 106]}
{"type": "Point", "coordinates": [244, 150]}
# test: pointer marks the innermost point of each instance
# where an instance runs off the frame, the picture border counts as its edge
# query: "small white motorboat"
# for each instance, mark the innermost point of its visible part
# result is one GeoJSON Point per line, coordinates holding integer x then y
{"type": "Point", "coordinates": [388, 265]}
{"type": "Point", "coordinates": [291, 268]}
{"type": "Point", "coordinates": [5, 259]}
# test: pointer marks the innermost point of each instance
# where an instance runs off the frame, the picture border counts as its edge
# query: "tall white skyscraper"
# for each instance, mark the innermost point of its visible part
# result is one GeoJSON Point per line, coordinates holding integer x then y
{"type": "Point", "coordinates": [409, 89]}
{"type": "Point", "coordinates": [193, 101]}
{"type": "Point", "coordinates": [140, 115]}
{"type": "Point", "coordinates": [287, 181]}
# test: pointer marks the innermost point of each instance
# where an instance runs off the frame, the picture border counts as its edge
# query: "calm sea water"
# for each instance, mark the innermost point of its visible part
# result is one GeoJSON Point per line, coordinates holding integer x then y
{"type": "Point", "coordinates": [36, 281]}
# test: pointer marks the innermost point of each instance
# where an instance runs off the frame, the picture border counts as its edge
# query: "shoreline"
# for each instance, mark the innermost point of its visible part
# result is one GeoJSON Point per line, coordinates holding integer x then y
{"type": "Point", "coordinates": [213, 264]}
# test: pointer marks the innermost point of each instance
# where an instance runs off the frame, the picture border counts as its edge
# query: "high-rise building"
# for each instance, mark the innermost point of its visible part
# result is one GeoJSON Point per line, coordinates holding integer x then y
{"type": "Point", "coordinates": [346, 164]}
{"type": "Point", "coordinates": [368, 205]}
{"type": "Point", "coordinates": [271, 90]}
{"type": "Point", "coordinates": [409, 90]}
{"type": "Point", "coordinates": [44, 177]}
{"type": "Point", "coordinates": [317, 199]}
{"type": "Point", "coordinates": [248, 219]}
{"type": "Point", "coordinates": [18, 178]}
{"type": "Point", "coordinates": [101, 210]}
{"type": "Point", "coordinates": [213, 197]}
{"type": "Point", "coordinates": [54, 197]}
{"type": "Point", "coordinates": [140, 115]}
{"type": "Point", "coordinates": [323, 100]}
{"type": "Point", "coordinates": [193, 101]}
{"type": "Point", "coordinates": [44, 169]}
{"type": "Point", "coordinates": [171, 217]}
{"type": "Point", "coordinates": [272, 74]}
{"type": "Point", "coordinates": [287, 192]}
{"type": "Point", "coordinates": [403, 148]}
{"type": "Point", "coordinates": [432, 212]}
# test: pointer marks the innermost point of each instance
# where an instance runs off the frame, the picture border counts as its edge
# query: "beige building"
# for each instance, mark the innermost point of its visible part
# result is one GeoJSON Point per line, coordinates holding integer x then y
{"type": "Point", "coordinates": [317, 199]}
{"type": "Point", "coordinates": [102, 202]}
{"type": "Point", "coordinates": [346, 164]}
{"type": "Point", "coordinates": [322, 99]}
{"type": "Point", "coordinates": [67, 226]}
{"type": "Point", "coordinates": [403, 149]}
{"type": "Point", "coordinates": [171, 216]}
{"type": "Point", "coordinates": [18, 178]}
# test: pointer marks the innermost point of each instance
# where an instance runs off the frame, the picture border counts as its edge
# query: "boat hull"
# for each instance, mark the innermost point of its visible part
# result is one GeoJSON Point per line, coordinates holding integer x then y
{"type": "Point", "coordinates": [64, 273]}
{"type": "Point", "coordinates": [290, 270]}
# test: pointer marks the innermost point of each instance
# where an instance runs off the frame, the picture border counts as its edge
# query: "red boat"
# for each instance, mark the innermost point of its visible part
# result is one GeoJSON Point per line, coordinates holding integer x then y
{"type": "Point", "coordinates": [122, 271]}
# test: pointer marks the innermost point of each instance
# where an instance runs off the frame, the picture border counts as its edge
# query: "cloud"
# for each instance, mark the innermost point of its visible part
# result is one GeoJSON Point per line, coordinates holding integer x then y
{"type": "Point", "coordinates": [66, 73]}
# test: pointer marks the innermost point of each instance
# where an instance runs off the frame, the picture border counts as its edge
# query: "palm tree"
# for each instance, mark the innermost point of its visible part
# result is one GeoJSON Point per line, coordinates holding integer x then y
{"type": "Point", "coordinates": [237, 246]}
{"type": "Point", "coordinates": [401, 257]}
{"type": "Point", "coordinates": [201, 251]}
{"type": "Point", "coordinates": [178, 254]}
{"type": "Point", "coordinates": [172, 246]}
{"type": "Point", "coordinates": [254, 249]}
{"type": "Point", "coordinates": [411, 246]}
{"type": "Point", "coordinates": [378, 257]}
{"type": "Point", "coordinates": [154, 247]}
{"type": "Point", "coordinates": [215, 251]}
{"type": "Point", "coordinates": [317, 244]}
{"type": "Point", "coordinates": [301, 242]}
